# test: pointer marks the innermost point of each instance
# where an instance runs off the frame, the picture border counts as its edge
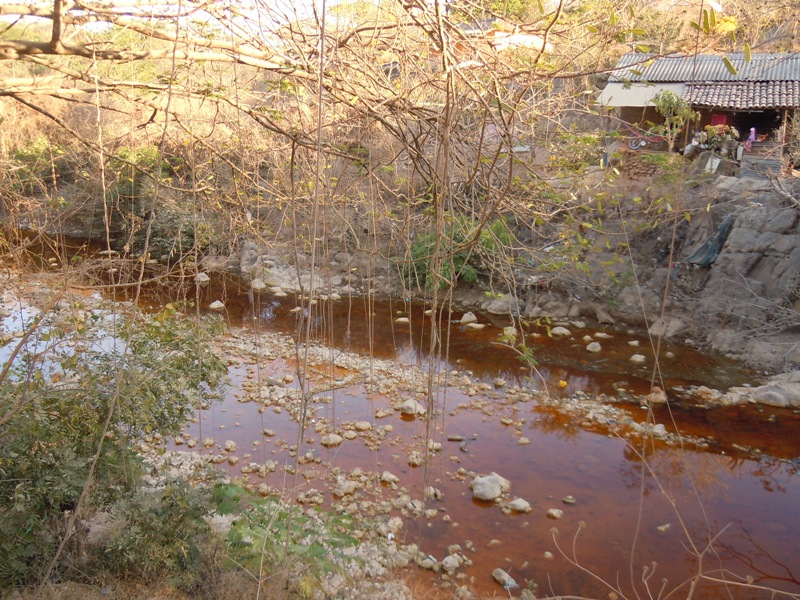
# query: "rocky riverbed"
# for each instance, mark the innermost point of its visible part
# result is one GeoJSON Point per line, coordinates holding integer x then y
{"type": "Point", "coordinates": [435, 462]}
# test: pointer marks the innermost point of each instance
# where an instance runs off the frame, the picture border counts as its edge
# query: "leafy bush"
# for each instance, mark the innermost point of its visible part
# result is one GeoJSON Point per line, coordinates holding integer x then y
{"type": "Point", "coordinates": [39, 163]}
{"type": "Point", "coordinates": [133, 168]}
{"type": "Point", "coordinates": [163, 534]}
{"type": "Point", "coordinates": [271, 532]}
{"type": "Point", "coordinates": [576, 149]}
{"type": "Point", "coordinates": [462, 260]}
{"type": "Point", "coordinates": [85, 386]}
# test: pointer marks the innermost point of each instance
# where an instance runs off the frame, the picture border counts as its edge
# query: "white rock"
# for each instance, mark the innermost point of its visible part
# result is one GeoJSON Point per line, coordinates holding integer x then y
{"type": "Point", "coordinates": [468, 318]}
{"type": "Point", "coordinates": [411, 407]}
{"type": "Point", "coordinates": [217, 306]}
{"type": "Point", "coordinates": [594, 347]}
{"type": "Point", "coordinates": [388, 477]}
{"type": "Point", "coordinates": [499, 382]}
{"type": "Point", "coordinates": [489, 487]}
{"type": "Point", "coordinates": [638, 359]}
{"type": "Point", "coordinates": [475, 325]}
{"type": "Point", "coordinates": [331, 440]}
{"type": "Point", "coordinates": [202, 278]}
{"type": "Point", "coordinates": [555, 513]}
{"type": "Point", "coordinates": [520, 505]}
{"type": "Point", "coordinates": [560, 332]}
{"type": "Point", "coordinates": [258, 285]}
{"type": "Point", "coordinates": [415, 458]}
{"type": "Point", "coordinates": [401, 320]}
{"type": "Point", "coordinates": [450, 563]}
{"type": "Point", "coordinates": [657, 396]}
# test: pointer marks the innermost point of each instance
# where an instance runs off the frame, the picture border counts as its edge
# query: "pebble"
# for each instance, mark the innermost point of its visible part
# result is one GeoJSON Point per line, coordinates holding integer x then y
{"type": "Point", "coordinates": [638, 359]}
{"type": "Point", "coordinates": [331, 440]}
{"type": "Point", "coordinates": [504, 579]}
{"type": "Point", "coordinates": [554, 513]}
{"type": "Point", "coordinates": [415, 458]}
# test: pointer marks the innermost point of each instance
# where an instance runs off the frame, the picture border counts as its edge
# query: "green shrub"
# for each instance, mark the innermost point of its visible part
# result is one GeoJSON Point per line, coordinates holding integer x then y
{"type": "Point", "coordinates": [78, 390]}
{"type": "Point", "coordinates": [133, 168]}
{"type": "Point", "coordinates": [462, 260]}
{"type": "Point", "coordinates": [268, 531]}
{"type": "Point", "coordinates": [39, 163]}
{"type": "Point", "coordinates": [163, 535]}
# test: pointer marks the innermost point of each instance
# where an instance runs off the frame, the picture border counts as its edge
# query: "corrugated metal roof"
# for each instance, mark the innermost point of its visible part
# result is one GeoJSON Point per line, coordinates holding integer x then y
{"type": "Point", "coordinates": [636, 66]}
{"type": "Point", "coordinates": [745, 95]}
{"type": "Point", "coordinates": [635, 94]}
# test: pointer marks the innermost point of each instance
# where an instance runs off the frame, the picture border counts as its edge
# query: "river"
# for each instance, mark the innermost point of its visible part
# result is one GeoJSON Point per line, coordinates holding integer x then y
{"type": "Point", "coordinates": [643, 517]}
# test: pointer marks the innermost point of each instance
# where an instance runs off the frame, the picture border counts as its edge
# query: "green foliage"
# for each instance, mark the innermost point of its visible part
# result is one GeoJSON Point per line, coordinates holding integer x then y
{"type": "Point", "coordinates": [575, 150]}
{"type": "Point", "coordinates": [676, 111]}
{"type": "Point", "coordinates": [317, 542]}
{"type": "Point", "coordinates": [38, 163]}
{"type": "Point", "coordinates": [133, 167]}
{"type": "Point", "coordinates": [163, 534]}
{"type": "Point", "coordinates": [89, 384]}
{"type": "Point", "coordinates": [462, 260]}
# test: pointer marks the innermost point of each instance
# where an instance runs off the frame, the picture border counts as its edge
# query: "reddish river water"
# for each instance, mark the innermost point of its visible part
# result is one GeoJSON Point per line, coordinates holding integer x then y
{"type": "Point", "coordinates": [730, 510]}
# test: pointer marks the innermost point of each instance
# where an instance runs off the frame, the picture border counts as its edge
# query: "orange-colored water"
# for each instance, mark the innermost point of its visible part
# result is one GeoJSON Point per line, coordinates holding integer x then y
{"type": "Point", "coordinates": [739, 510]}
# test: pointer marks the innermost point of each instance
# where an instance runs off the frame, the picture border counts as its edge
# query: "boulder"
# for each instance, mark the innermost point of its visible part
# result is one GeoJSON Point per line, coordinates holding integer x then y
{"type": "Point", "coordinates": [489, 487]}
{"type": "Point", "coordinates": [468, 317]}
{"type": "Point", "coordinates": [667, 327]}
{"type": "Point", "coordinates": [638, 359]}
{"type": "Point", "coordinates": [410, 407]}
{"type": "Point", "coordinates": [783, 391]}
{"type": "Point", "coordinates": [331, 440]}
{"type": "Point", "coordinates": [519, 505]}
{"type": "Point", "coordinates": [603, 317]}
{"type": "Point", "coordinates": [505, 304]}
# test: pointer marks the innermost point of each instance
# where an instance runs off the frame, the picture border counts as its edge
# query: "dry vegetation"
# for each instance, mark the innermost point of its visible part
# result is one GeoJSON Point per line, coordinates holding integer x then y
{"type": "Point", "coordinates": [174, 134]}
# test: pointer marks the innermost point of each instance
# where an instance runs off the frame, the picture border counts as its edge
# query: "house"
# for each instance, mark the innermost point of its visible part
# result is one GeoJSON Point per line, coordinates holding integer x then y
{"type": "Point", "coordinates": [763, 93]}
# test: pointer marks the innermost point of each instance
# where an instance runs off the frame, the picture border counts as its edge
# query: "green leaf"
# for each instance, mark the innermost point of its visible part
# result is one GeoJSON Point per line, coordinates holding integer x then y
{"type": "Point", "coordinates": [747, 53]}
{"type": "Point", "coordinates": [706, 21]}
{"type": "Point", "coordinates": [729, 65]}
